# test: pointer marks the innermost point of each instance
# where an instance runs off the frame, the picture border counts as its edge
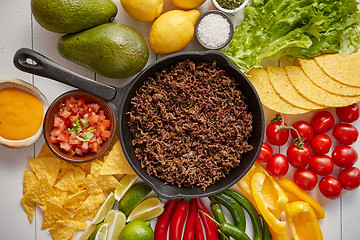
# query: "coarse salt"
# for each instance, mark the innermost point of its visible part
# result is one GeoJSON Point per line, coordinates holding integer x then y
{"type": "Point", "coordinates": [213, 30]}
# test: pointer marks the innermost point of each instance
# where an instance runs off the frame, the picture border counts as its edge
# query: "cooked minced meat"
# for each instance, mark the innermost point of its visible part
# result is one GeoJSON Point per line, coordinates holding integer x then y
{"type": "Point", "coordinates": [190, 124]}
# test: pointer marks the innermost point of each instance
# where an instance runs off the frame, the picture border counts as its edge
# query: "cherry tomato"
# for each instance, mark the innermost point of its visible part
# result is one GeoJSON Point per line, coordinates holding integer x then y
{"type": "Point", "coordinates": [298, 157]}
{"type": "Point", "coordinates": [344, 156]}
{"type": "Point", "coordinates": [265, 153]}
{"type": "Point", "coordinates": [330, 187]}
{"type": "Point", "coordinates": [278, 138]}
{"type": "Point", "coordinates": [305, 179]}
{"type": "Point", "coordinates": [345, 133]}
{"type": "Point", "coordinates": [350, 178]}
{"type": "Point", "coordinates": [323, 121]}
{"type": "Point", "coordinates": [321, 143]}
{"type": "Point", "coordinates": [304, 129]}
{"type": "Point", "coordinates": [278, 165]}
{"type": "Point", "coordinates": [348, 114]}
{"type": "Point", "coordinates": [322, 165]}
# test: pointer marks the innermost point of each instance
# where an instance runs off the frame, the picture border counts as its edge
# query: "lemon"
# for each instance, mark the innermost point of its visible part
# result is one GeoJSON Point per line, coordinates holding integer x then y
{"type": "Point", "coordinates": [104, 209]}
{"type": "Point", "coordinates": [148, 209]}
{"type": "Point", "coordinates": [100, 232]}
{"type": "Point", "coordinates": [126, 182]}
{"type": "Point", "coordinates": [137, 230]}
{"type": "Point", "coordinates": [133, 197]}
{"type": "Point", "coordinates": [188, 4]}
{"type": "Point", "coordinates": [172, 31]}
{"type": "Point", "coordinates": [116, 220]}
{"type": "Point", "coordinates": [143, 10]}
{"type": "Point", "coordinates": [87, 233]}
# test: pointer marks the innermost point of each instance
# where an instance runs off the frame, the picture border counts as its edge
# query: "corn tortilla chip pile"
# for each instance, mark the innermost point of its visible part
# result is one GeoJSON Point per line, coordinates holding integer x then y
{"type": "Point", "coordinates": [329, 80]}
{"type": "Point", "coordinates": [68, 193]}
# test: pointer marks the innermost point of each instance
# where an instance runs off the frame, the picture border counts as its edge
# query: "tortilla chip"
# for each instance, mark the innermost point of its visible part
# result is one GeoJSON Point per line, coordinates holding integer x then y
{"type": "Point", "coordinates": [268, 96]}
{"type": "Point", "coordinates": [91, 186]}
{"type": "Point", "coordinates": [74, 201]}
{"type": "Point", "coordinates": [48, 166]}
{"type": "Point", "coordinates": [65, 229]}
{"type": "Point", "coordinates": [29, 208]}
{"type": "Point", "coordinates": [38, 193]}
{"type": "Point", "coordinates": [344, 69]}
{"type": "Point", "coordinates": [284, 88]}
{"type": "Point", "coordinates": [29, 180]}
{"type": "Point", "coordinates": [316, 94]}
{"type": "Point", "coordinates": [58, 196]}
{"type": "Point", "coordinates": [45, 152]}
{"type": "Point", "coordinates": [86, 167]}
{"type": "Point", "coordinates": [322, 80]}
{"type": "Point", "coordinates": [89, 208]}
{"type": "Point", "coordinates": [53, 213]}
{"type": "Point", "coordinates": [115, 162]}
{"type": "Point", "coordinates": [67, 183]}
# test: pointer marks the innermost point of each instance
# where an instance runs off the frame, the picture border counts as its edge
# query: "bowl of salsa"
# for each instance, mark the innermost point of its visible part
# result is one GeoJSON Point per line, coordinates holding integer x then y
{"type": "Point", "coordinates": [22, 110]}
{"type": "Point", "coordinates": [79, 126]}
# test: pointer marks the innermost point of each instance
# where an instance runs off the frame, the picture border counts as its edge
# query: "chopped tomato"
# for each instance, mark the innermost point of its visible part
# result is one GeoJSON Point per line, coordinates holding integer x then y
{"type": "Point", "coordinates": [79, 126]}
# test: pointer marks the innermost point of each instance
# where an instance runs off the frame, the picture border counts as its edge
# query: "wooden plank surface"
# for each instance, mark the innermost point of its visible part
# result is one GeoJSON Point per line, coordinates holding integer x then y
{"type": "Point", "coordinates": [18, 29]}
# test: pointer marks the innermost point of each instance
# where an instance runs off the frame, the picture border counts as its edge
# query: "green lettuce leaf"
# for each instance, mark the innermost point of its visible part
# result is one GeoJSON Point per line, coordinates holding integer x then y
{"type": "Point", "coordinates": [299, 29]}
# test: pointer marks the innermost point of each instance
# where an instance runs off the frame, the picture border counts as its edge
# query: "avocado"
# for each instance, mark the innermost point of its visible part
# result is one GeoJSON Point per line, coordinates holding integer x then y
{"type": "Point", "coordinates": [113, 50]}
{"type": "Point", "coordinates": [70, 16]}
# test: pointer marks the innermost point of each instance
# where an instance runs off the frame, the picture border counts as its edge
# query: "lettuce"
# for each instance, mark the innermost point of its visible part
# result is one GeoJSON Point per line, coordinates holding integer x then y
{"type": "Point", "coordinates": [298, 29]}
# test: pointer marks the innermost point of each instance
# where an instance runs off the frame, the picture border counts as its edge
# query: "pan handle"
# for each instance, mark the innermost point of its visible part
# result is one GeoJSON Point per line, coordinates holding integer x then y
{"type": "Point", "coordinates": [43, 66]}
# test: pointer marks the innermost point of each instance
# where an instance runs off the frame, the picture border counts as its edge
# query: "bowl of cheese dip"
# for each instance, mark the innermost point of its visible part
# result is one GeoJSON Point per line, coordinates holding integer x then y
{"type": "Point", "coordinates": [22, 110]}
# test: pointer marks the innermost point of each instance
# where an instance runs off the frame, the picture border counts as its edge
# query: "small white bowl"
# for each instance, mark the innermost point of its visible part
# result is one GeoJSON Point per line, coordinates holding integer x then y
{"type": "Point", "coordinates": [17, 83]}
{"type": "Point", "coordinates": [216, 4]}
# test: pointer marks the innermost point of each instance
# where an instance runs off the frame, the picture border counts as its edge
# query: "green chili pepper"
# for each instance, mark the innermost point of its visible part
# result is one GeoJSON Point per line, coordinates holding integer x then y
{"type": "Point", "coordinates": [230, 230]}
{"type": "Point", "coordinates": [233, 231]}
{"type": "Point", "coordinates": [219, 215]}
{"type": "Point", "coordinates": [254, 216]}
{"type": "Point", "coordinates": [266, 231]}
{"type": "Point", "coordinates": [234, 208]}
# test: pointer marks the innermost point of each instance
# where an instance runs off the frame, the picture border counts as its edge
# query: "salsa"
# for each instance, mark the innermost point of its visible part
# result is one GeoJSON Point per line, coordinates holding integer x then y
{"type": "Point", "coordinates": [21, 114]}
{"type": "Point", "coordinates": [80, 127]}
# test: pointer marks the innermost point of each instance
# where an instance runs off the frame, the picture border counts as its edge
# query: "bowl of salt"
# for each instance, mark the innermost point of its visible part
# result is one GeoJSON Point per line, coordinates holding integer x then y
{"type": "Point", "coordinates": [214, 30]}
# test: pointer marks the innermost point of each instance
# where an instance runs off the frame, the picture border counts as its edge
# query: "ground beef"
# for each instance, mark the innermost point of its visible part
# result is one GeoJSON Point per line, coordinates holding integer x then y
{"type": "Point", "coordinates": [190, 124]}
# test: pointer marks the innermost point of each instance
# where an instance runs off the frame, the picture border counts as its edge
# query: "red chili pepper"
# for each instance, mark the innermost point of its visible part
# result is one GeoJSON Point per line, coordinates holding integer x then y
{"type": "Point", "coordinates": [162, 223]}
{"type": "Point", "coordinates": [209, 226]}
{"type": "Point", "coordinates": [199, 234]}
{"type": "Point", "coordinates": [178, 219]}
{"type": "Point", "coordinates": [190, 222]}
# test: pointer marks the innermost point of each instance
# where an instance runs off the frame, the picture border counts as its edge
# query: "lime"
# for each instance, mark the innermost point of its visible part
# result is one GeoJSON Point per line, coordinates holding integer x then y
{"type": "Point", "coordinates": [126, 182]}
{"type": "Point", "coordinates": [148, 209]}
{"type": "Point", "coordinates": [100, 232]}
{"type": "Point", "coordinates": [137, 230]}
{"type": "Point", "coordinates": [86, 234]}
{"type": "Point", "coordinates": [116, 220]}
{"type": "Point", "coordinates": [104, 209]}
{"type": "Point", "coordinates": [133, 197]}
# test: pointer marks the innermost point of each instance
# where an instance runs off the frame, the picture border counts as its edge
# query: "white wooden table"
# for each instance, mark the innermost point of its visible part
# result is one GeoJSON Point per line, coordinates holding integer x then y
{"type": "Point", "coordinates": [19, 29]}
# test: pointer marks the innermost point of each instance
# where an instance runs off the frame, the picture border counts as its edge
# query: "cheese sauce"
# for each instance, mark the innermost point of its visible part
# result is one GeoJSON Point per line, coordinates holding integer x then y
{"type": "Point", "coordinates": [21, 114]}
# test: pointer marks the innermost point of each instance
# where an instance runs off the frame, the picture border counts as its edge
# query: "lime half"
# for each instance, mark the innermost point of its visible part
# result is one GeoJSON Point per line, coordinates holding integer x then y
{"type": "Point", "coordinates": [116, 220]}
{"type": "Point", "coordinates": [104, 209]}
{"type": "Point", "coordinates": [86, 234]}
{"type": "Point", "coordinates": [126, 182]}
{"type": "Point", "coordinates": [148, 209]}
{"type": "Point", "coordinates": [100, 232]}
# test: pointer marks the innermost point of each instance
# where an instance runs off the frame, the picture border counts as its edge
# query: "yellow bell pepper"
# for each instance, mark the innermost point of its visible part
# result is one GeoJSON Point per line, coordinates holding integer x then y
{"type": "Point", "coordinates": [295, 193]}
{"type": "Point", "coordinates": [245, 182]}
{"type": "Point", "coordinates": [270, 199]}
{"type": "Point", "coordinates": [302, 221]}
{"type": "Point", "coordinates": [278, 236]}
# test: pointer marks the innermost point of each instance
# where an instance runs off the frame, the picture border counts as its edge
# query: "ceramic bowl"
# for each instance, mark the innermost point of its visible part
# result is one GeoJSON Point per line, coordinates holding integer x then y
{"type": "Point", "coordinates": [52, 112]}
{"type": "Point", "coordinates": [241, 7]}
{"type": "Point", "coordinates": [17, 83]}
{"type": "Point", "coordinates": [231, 30]}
